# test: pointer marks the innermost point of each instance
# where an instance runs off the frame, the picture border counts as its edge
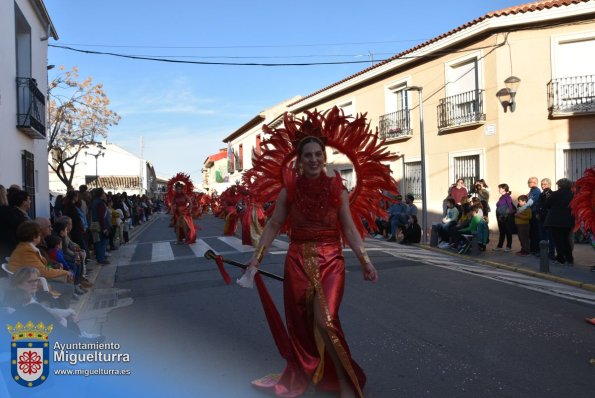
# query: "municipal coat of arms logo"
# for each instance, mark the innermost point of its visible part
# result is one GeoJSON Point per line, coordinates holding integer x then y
{"type": "Point", "coordinates": [30, 358]}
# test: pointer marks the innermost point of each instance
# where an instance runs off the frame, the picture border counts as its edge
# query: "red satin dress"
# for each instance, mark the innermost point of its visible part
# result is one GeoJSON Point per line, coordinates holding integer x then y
{"type": "Point", "coordinates": [315, 267]}
{"type": "Point", "coordinates": [183, 223]}
{"type": "Point", "coordinates": [253, 221]}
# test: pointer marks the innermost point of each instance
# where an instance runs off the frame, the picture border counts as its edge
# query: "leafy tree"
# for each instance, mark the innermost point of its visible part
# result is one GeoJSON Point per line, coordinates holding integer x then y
{"type": "Point", "coordinates": [78, 115]}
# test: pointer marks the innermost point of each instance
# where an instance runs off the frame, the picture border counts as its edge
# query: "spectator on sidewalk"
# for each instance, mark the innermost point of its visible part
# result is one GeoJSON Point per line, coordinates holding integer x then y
{"type": "Point", "coordinates": [468, 229]}
{"type": "Point", "coordinates": [481, 192]}
{"type": "Point", "coordinates": [5, 230]}
{"type": "Point", "coordinates": [532, 202]}
{"type": "Point", "coordinates": [540, 215]}
{"type": "Point", "coordinates": [21, 301]}
{"type": "Point", "coordinates": [449, 221]}
{"type": "Point", "coordinates": [397, 218]}
{"type": "Point", "coordinates": [13, 216]}
{"type": "Point", "coordinates": [459, 191]}
{"type": "Point", "coordinates": [560, 220]}
{"type": "Point", "coordinates": [99, 227]}
{"type": "Point", "coordinates": [412, 233]}
{"type": "Point", "coordinates": [522, 218]}
{"type": "Point", "coordinates": [411, 208]}
{"type": "Point", "coordinates": [505, 214]}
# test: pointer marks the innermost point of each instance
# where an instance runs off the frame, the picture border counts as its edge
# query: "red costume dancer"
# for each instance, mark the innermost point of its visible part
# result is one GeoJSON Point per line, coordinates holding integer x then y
{"type": "Point", "coordinates": [229, 200]}
{"type": "Point", "coordinates": [252, 215]}
{"type": "Point", "coordinates": [179, 198]}
{"type": "Point", "coordinates": [216, 205]}
{"type": "Point", "coordinates": [582, 207]}
{"type": "Point", "coordinates": [318, 213]}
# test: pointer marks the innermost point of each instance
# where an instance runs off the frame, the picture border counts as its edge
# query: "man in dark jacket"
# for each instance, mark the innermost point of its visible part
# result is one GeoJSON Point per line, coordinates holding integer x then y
{"type": "Point", "coordinates": [560, 220]}
{"type": "Point", "coordinates": [540, 214]}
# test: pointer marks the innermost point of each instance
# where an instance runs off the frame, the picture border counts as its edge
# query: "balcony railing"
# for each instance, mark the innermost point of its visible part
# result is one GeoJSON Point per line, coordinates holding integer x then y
{"type": "Point", "coordinates": [571, 95]}
{"type": "Point", "coordinates": [30, 108]}
{"type": "Point", "coordinates": [395, 125]}
{"type": "Point", "coordinates": [461, 109]}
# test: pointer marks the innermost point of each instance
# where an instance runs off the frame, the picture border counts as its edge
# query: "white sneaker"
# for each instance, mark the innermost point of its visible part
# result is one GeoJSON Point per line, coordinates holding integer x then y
{"type": "Point", "coordinates": [507, 249]}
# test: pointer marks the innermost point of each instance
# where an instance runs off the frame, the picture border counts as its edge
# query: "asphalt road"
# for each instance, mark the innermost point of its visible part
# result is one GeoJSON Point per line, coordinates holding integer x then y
{"type": "Point", "coordinates": [421, 331]}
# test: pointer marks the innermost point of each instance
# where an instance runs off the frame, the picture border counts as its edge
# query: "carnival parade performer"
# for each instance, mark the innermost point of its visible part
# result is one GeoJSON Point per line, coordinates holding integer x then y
{"type": "Point", "coordinates": [179, 198]}
{"type": "Point", "coordinates": [318, 214]}
{"type": "Point", "coordinates": [251, 214]}
{"type": "Point", "coordinates": [229, 200]}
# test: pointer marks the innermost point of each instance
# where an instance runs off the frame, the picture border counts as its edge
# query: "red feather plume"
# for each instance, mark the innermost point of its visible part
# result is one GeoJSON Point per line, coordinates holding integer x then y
{"type": "Point", "coordinates": [171, 192]}
{"type": "Point", "coordinates": [582, 205]}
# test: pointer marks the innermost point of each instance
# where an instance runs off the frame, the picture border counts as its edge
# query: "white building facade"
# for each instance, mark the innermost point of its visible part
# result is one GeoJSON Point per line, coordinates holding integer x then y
{"type": "Point", "coordinates": [111, 167]}
{"type": "Point", "coordinates": [25, 28]}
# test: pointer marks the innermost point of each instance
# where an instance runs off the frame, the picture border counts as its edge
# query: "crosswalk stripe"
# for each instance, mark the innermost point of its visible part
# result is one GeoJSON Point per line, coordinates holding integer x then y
{"type": "Point", "coordinates": [280, 244]}
{"type": "Point", "coordinates": [200, 248]}
{"type": "Point", "coordinates": [162, 251]}
{"type": "Point", "coordinates": [236, 243]}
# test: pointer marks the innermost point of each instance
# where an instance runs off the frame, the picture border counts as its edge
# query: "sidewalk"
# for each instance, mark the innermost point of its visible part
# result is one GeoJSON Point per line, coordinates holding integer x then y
{"type": "Point", "coordinates": [579, 275]}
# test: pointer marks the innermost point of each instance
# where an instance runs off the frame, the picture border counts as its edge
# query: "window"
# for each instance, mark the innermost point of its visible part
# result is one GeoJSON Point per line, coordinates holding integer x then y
{"type": "Point", "coordinates": [23, 43]}
{"type": "Point", "coordinates": [574, 56]}
{"type": "Point", "coordinates": [348, 108]}
{"type": "Point", "coordinates": [241, 158]}
{"type": "Point", "coordinates": [412, 179]}
{"type": "Point", "coordinates": [572, 88]}
{"type": "Point", "coordinates": [395, 123]}
{"type": "Point", "coordinates": [464, 101]}
{"type": "Point", "coordinates": [467, 168]}
{"type": "Point", "coordinates": [28, 166]}
{"type": "Point", "coordinates": [576, 161]}
{"type": "Point", "coordinates": [257, 151]}
{"type": "Point", "coordinates": [396, 98]}
{"type": "Point", "coordinates": [572, 158]}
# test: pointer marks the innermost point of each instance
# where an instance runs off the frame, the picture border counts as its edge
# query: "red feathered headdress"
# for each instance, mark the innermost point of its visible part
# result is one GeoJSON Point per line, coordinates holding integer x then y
{"type": "Point", "coordinates": [183, 179]}
{"type": "Point", "coordinates": [272, 168]}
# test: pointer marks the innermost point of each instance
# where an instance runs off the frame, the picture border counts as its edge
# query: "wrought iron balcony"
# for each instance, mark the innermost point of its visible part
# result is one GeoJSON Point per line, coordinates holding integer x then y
{"type": "Point", "coordinates": [395, 125]}
{"type": "Point", "coordinates": [571, 95]}
{"type": "Point", "coordinates": [461, 109]}
{"type": "Point", "coordinates": [30, 108]}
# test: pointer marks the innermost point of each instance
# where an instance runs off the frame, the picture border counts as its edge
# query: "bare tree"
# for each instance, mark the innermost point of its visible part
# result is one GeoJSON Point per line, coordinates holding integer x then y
{"type": "Point", "coordinates": [78, 115]}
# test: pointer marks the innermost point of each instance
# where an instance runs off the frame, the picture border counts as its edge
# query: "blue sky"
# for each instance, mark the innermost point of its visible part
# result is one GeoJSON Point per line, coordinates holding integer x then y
{"type": "Point", "coordinates": [184, 111]}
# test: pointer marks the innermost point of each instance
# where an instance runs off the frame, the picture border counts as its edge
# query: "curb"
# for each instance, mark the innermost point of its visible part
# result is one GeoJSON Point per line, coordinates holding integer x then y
{"type": "Point", "coordinates": [570, 282]}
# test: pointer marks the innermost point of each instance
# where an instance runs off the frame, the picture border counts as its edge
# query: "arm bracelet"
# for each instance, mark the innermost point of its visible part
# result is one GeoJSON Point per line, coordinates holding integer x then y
{"type": "Point", "coordinates": [363, 257]}
{"type": "Point", "coordinates": [259, 254]}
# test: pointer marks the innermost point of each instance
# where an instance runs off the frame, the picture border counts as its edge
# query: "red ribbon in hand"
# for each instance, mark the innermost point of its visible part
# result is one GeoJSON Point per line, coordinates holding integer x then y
{"type": "Point", "coordinates": [222, 271]}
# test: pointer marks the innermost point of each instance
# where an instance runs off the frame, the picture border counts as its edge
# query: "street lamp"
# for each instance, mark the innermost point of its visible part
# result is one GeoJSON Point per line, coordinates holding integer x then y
{"type": "Point", "coordinates": [100, 152]}
{"type": "Point", "coordinates": [424, 199]}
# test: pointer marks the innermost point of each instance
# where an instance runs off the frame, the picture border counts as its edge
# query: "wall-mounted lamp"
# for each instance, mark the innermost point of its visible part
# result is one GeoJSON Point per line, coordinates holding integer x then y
{"type": "Point", "coordinates": [506, 95]}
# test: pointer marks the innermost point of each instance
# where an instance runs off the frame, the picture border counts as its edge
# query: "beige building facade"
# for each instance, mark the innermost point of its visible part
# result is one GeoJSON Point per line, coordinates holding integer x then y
{"type": "Point", "coordinates": [548, 46]}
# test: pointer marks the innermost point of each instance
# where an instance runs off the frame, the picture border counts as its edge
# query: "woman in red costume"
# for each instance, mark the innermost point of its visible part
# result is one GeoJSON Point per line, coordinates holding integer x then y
{"type": "Point", "coordinates": [229, 200]}
{"type": "Point", "coordinates": [251, 215]}
{"type": "Point", "coordinates": [181, 207]}
{"type": "Point", "coordinates": [317, 211]}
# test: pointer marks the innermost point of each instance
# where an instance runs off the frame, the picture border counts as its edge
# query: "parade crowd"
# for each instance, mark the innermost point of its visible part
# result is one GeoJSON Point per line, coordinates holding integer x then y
{"type": "Point", "coordinates": [49, 258]}
{"type": "Point", "coordinates": [539, 215]}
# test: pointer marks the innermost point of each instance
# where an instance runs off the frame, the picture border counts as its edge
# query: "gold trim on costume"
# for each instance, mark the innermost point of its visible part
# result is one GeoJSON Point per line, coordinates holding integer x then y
{"type": "Point", "coordinates": [313, 272]}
